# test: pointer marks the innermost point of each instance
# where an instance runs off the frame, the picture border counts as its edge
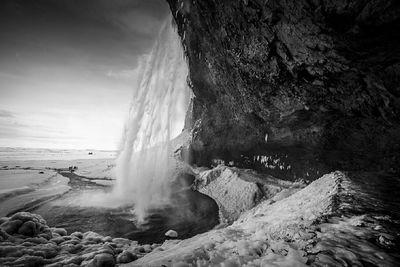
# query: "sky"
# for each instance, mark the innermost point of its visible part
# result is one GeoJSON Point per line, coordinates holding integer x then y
{"type": "Point", "coordinates": [67, 69]}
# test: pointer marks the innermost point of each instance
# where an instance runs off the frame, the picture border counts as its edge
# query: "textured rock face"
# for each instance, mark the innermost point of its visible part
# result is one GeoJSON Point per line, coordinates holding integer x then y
{"type": "Point", "coordinates": [320, 78]}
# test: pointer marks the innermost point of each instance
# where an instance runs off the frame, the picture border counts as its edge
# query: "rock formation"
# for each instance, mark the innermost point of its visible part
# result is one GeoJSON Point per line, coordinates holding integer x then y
{"type": "Point", "coordinates": [236, 190]}
{"type": "Point", "coordinates": [27, 240]}
{"type": "Point", "coordinates": [319, 80]}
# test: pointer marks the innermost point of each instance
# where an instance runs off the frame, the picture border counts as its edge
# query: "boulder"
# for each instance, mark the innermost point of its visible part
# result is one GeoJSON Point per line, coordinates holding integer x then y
{"type": "Point", "coordinates": [102, 260]}
{"type": "Point", "coordinates": [126, 257]}
{"type": "Point", "coordinates": [77, 234]}
{"type": "Point", "coordinates": [11, 226]}
{"type": "Point", "coordinates": [233, 194]}
{"type": "Point", "coordinates": [121, 242]}
{"type": "Point", "coordinates": [92, 236]}
{"type": "Point", "coordinates": [147, 248]}
{"type": "Point", "coordinates": [171, 233]}
{"type": "Point", "coordinates": [60, 231]}
{"type": "Point", "coordinates": [29, 228]}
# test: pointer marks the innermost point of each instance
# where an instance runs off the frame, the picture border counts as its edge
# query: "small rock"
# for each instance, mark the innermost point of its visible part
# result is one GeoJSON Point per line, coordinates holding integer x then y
{"type": "Point", "coordinates": [121, 242]}
{"type": "Point", "coordinates": [77, 234]}
{"type": "Point", "coordinates": [107, 239]}
{"type": "Point", "coordinates": [92, 236]}
{"type": "Point", "coordinates": [147, 248]}
{"type": "Point", "coordinates": [103, 260]}
{"type": "Point", "coordinates": [47, 234]}
{"type": "Point", "coordinates": [171, 233]}
{"type": "Point", "coordinates": [60, 231]}
{"type": "Point", "coordinates": [126, 257]}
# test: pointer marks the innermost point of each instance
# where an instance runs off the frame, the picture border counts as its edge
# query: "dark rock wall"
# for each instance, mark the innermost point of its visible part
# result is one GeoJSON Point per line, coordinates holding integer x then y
{"type": "Point", "coordinates": [320, 78]}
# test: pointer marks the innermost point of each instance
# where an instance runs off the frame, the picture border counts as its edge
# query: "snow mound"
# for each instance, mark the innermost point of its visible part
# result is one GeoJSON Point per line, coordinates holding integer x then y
{"type": "Point", "coordinates": [237, 190]}
{"type": "Point", "coordinates": [271, 234]}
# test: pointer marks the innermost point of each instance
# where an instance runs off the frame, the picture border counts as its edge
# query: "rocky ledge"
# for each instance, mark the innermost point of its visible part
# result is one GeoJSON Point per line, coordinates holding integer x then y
{"type": "Point", "coordinates": [27, 240]}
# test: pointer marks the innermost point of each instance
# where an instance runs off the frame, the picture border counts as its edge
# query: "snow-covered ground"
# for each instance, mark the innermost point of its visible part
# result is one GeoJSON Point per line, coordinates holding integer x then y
{"type": "Point", "coordinates": [308, 227]}
{"type": "Point", "coordinates": [334, 221]}
{"type": "Point", "coordinates": [28, 177]}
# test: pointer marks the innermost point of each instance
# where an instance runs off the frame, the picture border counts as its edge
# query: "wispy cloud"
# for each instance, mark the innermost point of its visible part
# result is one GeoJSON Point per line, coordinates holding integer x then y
{"type": "Point", "coordinates": [123, 74]}
{"type": "Point", "coordinates": [6, 114]}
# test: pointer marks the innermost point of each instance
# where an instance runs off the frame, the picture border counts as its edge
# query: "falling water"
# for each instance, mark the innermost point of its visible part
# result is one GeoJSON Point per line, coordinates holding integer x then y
{"type": "Point", "coordinates": [157, 113]}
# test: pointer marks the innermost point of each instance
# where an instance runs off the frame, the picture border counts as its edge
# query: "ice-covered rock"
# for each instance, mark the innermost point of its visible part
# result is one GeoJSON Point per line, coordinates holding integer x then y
{"type": "Point", "coordinates": [27, 225]}
{"type": "Point", "coordinates": [28, 229]}
{"type": "Point", "coordinates": [27, 240]}
{"type": "Point", "coordinates": [287, 232]}
{"type": "Point", "coordinates": [60, 231]}
{"type": "Point", "coordinates": [102, 260]}
{"type": "Point", "coordinates": [237, 190]}
{"type": "Point", "coordinates": [11, 227]}
{"type": "Point", "coordinates": [171, 233]}
{"type": "Point", "coordinates": [126, 257]}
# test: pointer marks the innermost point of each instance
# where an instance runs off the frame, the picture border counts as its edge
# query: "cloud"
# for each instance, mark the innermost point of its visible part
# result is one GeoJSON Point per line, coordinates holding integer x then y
{"type": "Point", "coordinates": [67, 68]}
{"type": "Point", "coordinates": [6, 114]}
{"type": "Point", "coordinates": [123, 74]}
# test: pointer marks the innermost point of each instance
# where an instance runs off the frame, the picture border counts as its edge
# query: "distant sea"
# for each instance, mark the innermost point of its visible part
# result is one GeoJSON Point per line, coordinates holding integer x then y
{"type": "Point", "coordinates": [19, 154]}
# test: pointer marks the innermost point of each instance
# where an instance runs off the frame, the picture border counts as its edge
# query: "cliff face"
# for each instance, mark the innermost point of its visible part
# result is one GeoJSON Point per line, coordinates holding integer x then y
{"type": "Point", "coordinates": [294, 88]}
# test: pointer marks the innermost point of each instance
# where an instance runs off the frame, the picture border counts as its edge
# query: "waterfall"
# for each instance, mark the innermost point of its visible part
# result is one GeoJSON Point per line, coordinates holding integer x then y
{"type": "Point", "coordinates": [156, 115]}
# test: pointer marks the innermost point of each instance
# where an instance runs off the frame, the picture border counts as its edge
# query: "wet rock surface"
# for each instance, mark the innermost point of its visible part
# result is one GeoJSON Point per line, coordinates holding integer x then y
{"type": "Point", "coordinates": [319, 78]}
{"type": "Point", "coordinates": [27, 240]}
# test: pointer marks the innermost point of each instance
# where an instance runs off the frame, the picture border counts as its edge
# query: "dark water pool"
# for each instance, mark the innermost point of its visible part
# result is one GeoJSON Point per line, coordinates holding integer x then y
{"type": "Point", "coordinates": [189, 214]}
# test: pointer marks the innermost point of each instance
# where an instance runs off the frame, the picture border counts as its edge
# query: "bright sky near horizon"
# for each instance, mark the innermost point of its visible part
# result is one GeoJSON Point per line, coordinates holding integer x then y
{"type": "Point", "coordinates": [67, 69]}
